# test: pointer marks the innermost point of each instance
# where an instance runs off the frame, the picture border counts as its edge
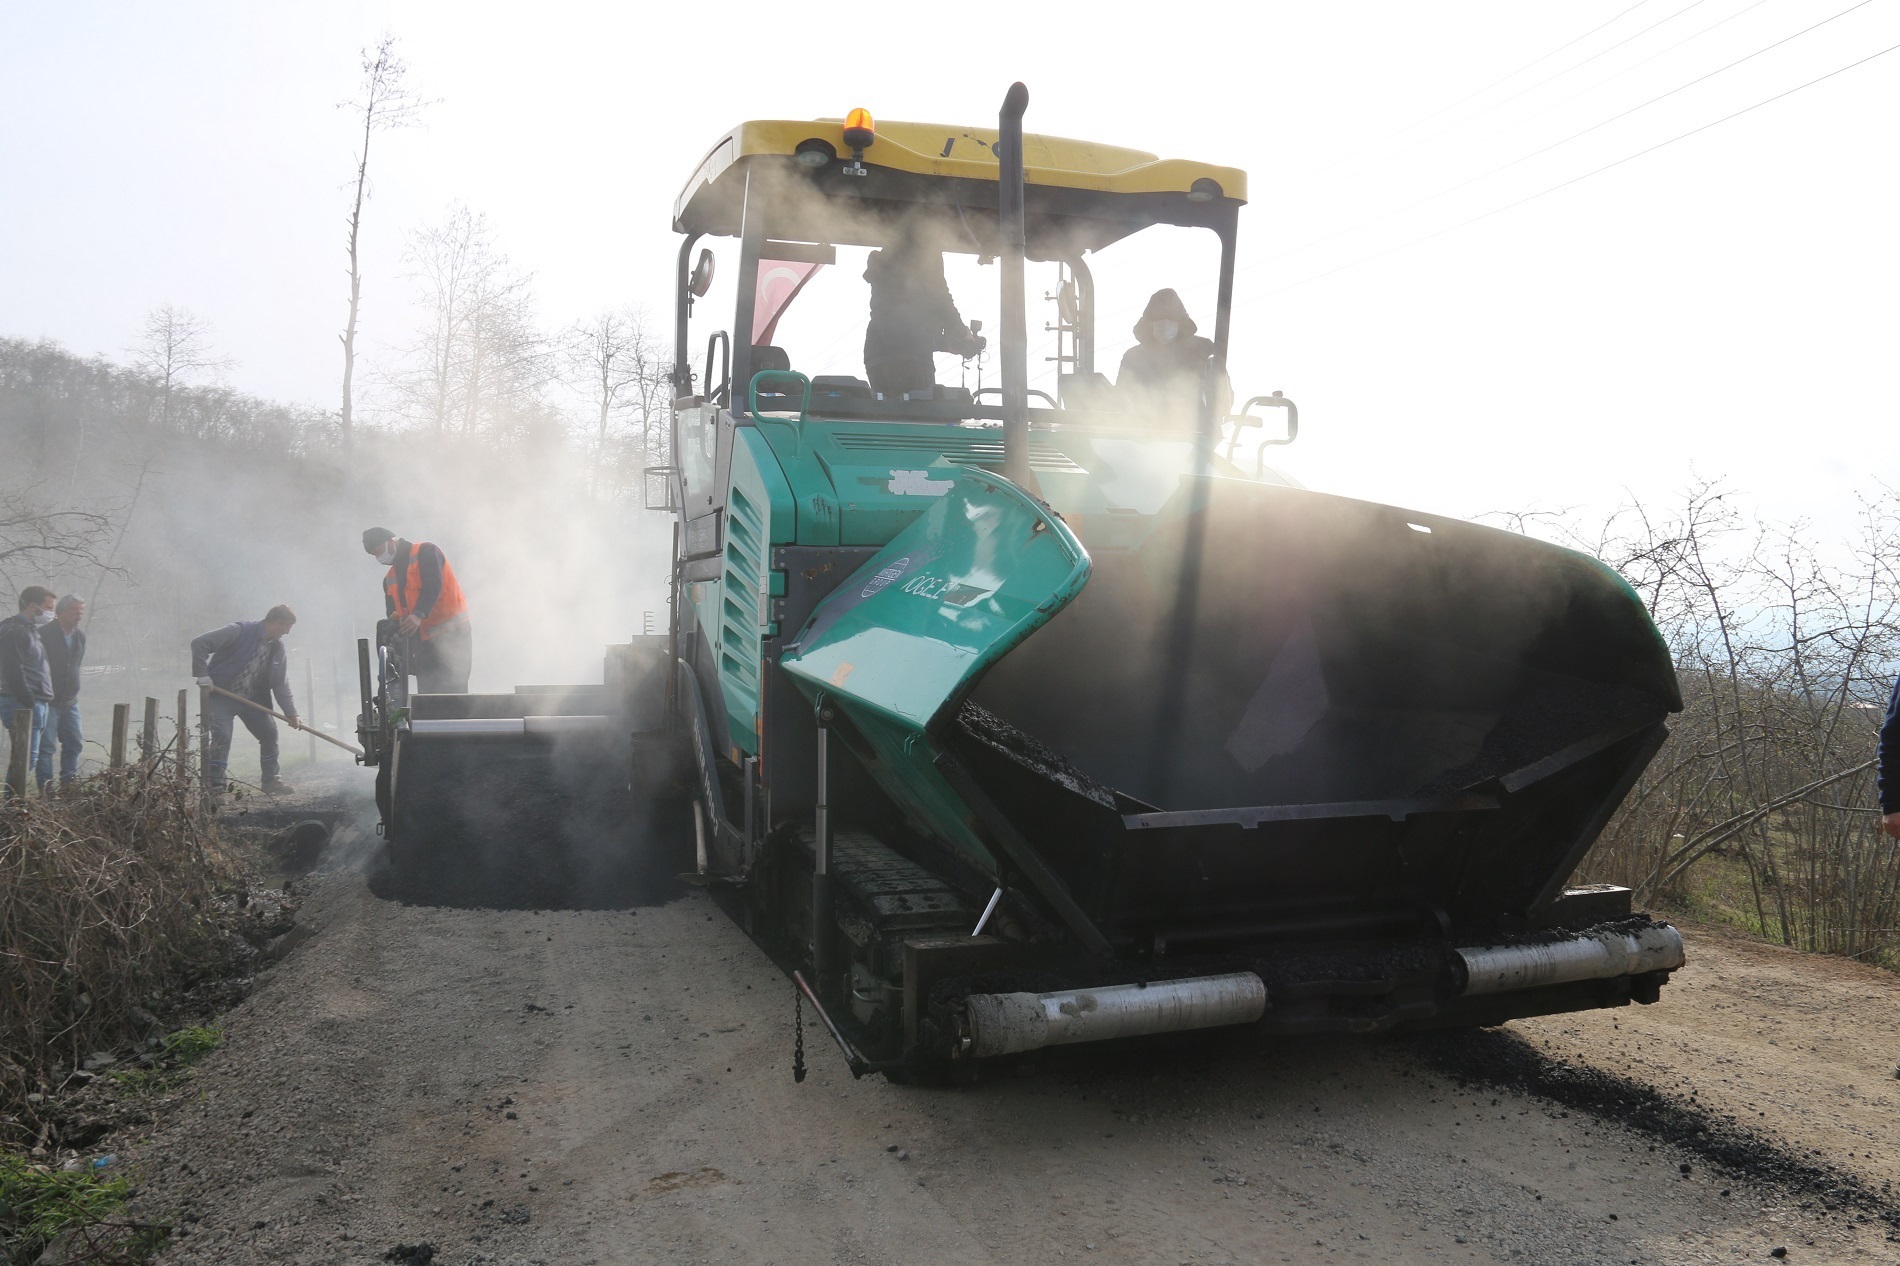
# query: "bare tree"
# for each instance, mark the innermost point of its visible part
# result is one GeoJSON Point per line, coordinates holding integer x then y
{"type": "Point", "coordinates": [614, 359]}
{"type": "Point", "coordinates": [1764, 789]}
{"type": "Point", "coordinates": [480, 366]}
{"type": "Point", "coordinates": [35, 539]}
{"type": "Point", "coordinates": [384, 102]}
{"type": "Point", "coordinates": [508, 362]}
{"type": "Point", "coordinates": [442, 259]}
{"type": "Point", "coordinates": [173, 349]}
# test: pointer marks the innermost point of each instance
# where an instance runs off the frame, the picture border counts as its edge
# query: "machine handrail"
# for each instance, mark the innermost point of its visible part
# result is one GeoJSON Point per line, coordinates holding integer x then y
{"type": "Point", "coordinates": [1245, 419]}
{"type": "Point", "coordinates": [719, 395]}
{"type": "Point", "coordinates": [1048, 399]}
{"type": "Point", "coordinates": [752, 392]}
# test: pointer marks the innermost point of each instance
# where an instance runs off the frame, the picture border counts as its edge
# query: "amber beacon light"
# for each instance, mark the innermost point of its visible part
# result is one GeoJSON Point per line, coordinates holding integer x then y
{"type": "Point", "coordinates": [859, 131]}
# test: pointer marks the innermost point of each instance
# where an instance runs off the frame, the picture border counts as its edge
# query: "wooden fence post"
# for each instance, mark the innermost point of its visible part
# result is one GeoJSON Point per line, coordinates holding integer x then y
{"type": "Point", "coordinates": [204, 742]}
{"type": "Point", "coordinates": [21, 732]}
{"type": "Point", "coordinates": [181, 754]}
{"type": "Point", "coordinates": [121, 722]}
{"type": "Point", "coordinates": [310, 703]}
{"type": "Point", "coordinates": [340, 712]}
{"type": "Point", "coordinates": [148, 733]}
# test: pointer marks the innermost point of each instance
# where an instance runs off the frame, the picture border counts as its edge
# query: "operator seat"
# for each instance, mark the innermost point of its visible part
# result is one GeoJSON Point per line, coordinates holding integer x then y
{"type": "Point", "coordinates": [774, 393]}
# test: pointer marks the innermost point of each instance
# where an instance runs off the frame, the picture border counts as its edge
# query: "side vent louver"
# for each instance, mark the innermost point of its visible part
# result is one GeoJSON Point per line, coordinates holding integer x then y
{"type": "Point", "coordinates": [742, 613]}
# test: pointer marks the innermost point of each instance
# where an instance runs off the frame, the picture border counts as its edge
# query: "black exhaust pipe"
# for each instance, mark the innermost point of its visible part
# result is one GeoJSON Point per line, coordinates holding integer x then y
{"type": "Point", "coordinates": [1009, 214]}
{"type": "Point", "coordinates": [367, 736]}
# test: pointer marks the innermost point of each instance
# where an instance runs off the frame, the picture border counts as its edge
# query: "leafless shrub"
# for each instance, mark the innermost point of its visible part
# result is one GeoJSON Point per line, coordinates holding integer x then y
{"type": "Point", "coordinates": [102, 896]}
{"type": "Point", "coordinates": [1785, 654]}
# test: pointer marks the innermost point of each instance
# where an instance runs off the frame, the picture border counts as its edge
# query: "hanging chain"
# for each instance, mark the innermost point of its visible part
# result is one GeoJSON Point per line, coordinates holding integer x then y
{"type": "Point", "coordinates": [798, 1029]}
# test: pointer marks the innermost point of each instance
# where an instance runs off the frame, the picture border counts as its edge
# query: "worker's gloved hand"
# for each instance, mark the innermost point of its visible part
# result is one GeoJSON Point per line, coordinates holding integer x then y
{"type": "Point", "coordinates": [205, 681]}
{"type": "Point", "coordinates": [408, 625]}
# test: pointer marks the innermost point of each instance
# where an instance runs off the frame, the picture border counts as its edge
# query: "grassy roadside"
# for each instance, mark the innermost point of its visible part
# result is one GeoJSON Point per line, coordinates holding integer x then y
{"type": "Point", "coordinates": [1719, 889]}
{"type": "Point", "coordinates": [75, 1203]}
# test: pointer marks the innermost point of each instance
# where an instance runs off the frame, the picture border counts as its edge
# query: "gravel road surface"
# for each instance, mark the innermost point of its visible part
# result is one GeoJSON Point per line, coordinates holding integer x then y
{"type": "Point", "coordinates": [614, 1086]}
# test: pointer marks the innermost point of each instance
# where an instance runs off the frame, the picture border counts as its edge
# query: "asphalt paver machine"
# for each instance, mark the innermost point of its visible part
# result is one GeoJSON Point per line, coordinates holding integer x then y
{"type": "Point", "coordinates": [1017, 718]}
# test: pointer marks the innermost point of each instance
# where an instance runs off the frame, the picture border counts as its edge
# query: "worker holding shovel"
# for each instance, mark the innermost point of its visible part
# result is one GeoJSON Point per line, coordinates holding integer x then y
{"type": "Point", "coordinates": [245, 665]}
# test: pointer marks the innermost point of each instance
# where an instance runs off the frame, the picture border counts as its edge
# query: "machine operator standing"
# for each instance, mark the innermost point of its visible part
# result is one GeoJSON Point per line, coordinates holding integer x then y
{"type": "Point", "coordinates": [912, 318]}
{"type": "Point", "coordinates": [421, 593]}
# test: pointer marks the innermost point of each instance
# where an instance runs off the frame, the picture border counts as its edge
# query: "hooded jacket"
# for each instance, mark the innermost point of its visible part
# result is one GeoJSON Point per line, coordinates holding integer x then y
{"type": "Point", "coordinates": [23, 672]}
{"type": "Point", "coordinates": [1162, 364]}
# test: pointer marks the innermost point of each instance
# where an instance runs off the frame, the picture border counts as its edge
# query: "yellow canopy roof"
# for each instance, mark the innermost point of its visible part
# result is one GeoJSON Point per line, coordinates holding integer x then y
{"type": "Point", "coordinates": [936, 149]}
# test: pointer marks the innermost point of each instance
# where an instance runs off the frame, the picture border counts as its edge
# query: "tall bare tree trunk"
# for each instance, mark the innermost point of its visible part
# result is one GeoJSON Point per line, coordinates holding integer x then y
{"type": "Point", "coordinates": [356, 291]}
{"type": "Point", "coordinates": [385, 103]}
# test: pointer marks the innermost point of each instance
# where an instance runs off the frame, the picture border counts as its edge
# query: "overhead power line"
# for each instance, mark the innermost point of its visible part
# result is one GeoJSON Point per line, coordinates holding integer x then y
{"type": "Point", "coordinates": [1627, 158]}
{"type": "Point", "coordinates": [1663, 52]}
{"type": "Point", "coordinates": [1471, 118]}
{"type": "Point", "coordinates": [1396, 132]}
{"type": "Point", "coordinates": [1538, 153]}
{"type": "Point", "coordinates": [1573, 66]}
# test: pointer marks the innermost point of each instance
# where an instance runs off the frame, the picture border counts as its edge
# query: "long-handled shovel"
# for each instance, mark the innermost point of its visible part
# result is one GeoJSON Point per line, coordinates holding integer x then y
{"type": "Point", "coordinates": [296, 725]}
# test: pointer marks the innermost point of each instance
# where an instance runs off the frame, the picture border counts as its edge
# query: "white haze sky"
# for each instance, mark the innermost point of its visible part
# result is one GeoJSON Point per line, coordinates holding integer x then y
{"type": "Point", "coordinates": [1723, 306]}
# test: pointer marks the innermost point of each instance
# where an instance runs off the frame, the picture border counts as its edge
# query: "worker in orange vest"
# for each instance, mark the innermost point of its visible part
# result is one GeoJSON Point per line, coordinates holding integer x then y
{"type": "Point", "coordinates": [421, 593]}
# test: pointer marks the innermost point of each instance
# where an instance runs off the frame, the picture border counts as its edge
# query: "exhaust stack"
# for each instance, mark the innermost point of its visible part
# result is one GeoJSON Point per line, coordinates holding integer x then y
{"type": "Point", "coordinates": [1015, 349]}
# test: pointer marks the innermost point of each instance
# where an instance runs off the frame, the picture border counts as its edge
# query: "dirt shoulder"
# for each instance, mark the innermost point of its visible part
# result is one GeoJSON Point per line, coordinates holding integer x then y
{"type": "Point", "coordinates": [1802, 1045]}
{"type": "Point", "coordinates": [614, 1087]}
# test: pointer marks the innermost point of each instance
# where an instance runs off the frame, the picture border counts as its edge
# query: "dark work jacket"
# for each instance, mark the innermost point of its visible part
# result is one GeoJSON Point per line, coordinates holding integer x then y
{"type": "Point", "coordinates": [223, 654]}
{"type": "Point", "coordinates": [912, 314]}
{"type": "Point", "coordinates": [1890, 755]}
{"type": "Point", "coordinates": [23, 672]}
{"type": "Point", "coordinates": [61, 663]}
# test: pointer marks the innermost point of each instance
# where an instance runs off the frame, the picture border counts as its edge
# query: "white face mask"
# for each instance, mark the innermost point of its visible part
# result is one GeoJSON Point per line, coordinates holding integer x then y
{"type": "Point", "coordinates": [1167, 331]}
{"type": "Point", "coordinates": [42, 617]}
{"type": "Point", "coordinates": [387, 554]}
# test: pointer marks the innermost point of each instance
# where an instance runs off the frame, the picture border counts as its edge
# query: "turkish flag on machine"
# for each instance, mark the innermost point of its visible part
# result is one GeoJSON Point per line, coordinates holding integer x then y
{"type": "Point", "coordinates": [779, 283]}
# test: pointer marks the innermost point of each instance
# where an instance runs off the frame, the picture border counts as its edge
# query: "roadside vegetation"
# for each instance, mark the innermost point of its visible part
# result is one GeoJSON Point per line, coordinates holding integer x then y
{"type": "Point", "coordinates": [1760, 811]}
{"type": "Point", "coordinates": [128, 921]}
{"type": "Point", "coordinates": [104, 893]}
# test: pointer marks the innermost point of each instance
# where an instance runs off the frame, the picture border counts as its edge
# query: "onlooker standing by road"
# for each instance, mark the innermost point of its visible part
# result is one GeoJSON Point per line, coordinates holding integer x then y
{"type": "Point", "coordinates": [25, 685]}
{"type": "Point", "coordinates": [246, 658]}
{"type": "Point", "coordinates": [65, 644]}
{"type": "Point", "coordinates": [1890, 766]}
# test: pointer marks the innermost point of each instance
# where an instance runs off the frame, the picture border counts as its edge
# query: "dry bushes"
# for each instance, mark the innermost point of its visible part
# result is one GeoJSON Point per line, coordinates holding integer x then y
{"type": "Point", "coordinates": [1760, 809]}
{"type": "Point", "coordinates": [103, 895]}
